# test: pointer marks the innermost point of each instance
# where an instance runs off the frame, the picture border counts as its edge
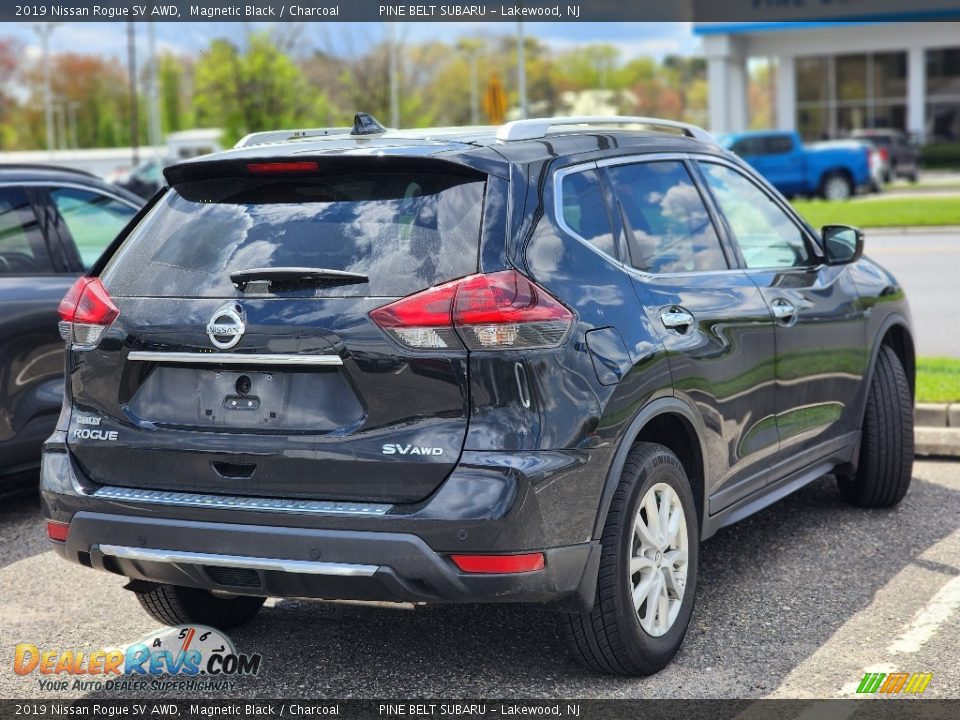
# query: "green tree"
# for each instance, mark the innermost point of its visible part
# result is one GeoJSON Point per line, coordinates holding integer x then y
{"type": "Point", "coordinates": [252, 89]}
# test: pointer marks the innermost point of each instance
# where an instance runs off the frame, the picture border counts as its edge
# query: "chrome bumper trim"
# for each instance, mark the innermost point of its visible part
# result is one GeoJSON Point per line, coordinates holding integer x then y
{"type": "Point", "coordinates": [305, 567]}
{"type": "Point", "coordinates": [236, 502]}
{"type": "Point", "coordinates": [217, 358]}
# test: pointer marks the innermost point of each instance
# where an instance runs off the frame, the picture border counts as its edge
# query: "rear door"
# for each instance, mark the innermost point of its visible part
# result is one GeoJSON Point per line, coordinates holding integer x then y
{"type": "Point", "coordinates": [32, 281]}
{"type": "Point", "coordinates": [712, 319]}
{"type": "Point", "coordinates": [88, 221]}
{"type": "Point", "coordinates": [285, 387]}
{"type": "Point", "coordinates": [820, 328]}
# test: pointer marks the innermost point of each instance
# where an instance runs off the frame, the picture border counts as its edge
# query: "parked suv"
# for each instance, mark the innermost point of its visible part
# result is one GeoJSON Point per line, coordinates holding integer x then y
{"type": "Point", "coordinates": [54, 223]}
{"type": "Point", "coordinates": [900, 154]}
{"type": "Point", "coordinates": [535, 364]}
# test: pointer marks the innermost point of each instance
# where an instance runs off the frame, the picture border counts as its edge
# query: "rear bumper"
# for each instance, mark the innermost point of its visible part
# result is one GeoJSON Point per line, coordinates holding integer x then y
{"type": "Point", "coordinates": [347, 551]}
{"type": "Point", "coordinates": [297, 562]}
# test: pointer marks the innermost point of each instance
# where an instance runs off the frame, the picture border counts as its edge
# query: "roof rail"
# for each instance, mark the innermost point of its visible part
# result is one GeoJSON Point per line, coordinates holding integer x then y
{"type": "Point", "coordinates": [274, 136]}
{"type": "Point", "coordinates": [363, 124]}
{"type": "Point", "coordinates": [536, 128]}
{"type": "Point", "coordinates": [45, 166]}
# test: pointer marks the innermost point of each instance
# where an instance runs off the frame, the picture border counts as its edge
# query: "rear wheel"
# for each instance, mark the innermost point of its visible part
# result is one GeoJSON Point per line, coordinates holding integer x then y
{"type": "Point", "coordinates": [886, 445]}
{"type": "Point", "coordinates": [836, 186]}
{"type": "Point", "coordinates": [648, 570]}
{"type": "Point", "coordinates": [175, 605]}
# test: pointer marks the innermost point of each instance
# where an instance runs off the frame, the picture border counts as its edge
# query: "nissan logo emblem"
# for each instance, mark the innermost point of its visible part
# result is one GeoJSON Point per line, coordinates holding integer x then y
{"type": "Point", "coordinates": [226, 327]}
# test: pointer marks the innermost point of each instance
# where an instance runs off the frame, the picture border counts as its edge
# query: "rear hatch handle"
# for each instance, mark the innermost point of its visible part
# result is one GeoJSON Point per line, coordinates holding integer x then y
{"type": "Point", "coordinates": [294, 276]}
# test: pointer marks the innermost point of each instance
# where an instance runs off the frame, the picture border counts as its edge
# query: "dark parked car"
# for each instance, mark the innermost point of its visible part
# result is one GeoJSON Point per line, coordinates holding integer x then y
{"type": "Point", "coordinates": [54, 223]}
{"type": "Point", "coordinates": [900, 153]}
{"type": "Point", "coordinates": [538, 364]}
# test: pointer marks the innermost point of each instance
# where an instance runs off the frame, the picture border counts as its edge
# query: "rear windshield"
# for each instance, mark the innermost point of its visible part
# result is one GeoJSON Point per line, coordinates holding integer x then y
{"type": "Point", "coordinates": [405, 231]}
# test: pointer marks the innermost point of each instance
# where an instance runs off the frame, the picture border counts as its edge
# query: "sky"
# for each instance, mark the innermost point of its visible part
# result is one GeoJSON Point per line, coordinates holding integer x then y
{"type": "Point", "coordinates": [632, 39]}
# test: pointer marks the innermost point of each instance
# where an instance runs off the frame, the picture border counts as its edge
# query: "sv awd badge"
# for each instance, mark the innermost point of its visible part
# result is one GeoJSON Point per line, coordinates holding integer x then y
{"type": "Point", "coordinates": [397, 449]}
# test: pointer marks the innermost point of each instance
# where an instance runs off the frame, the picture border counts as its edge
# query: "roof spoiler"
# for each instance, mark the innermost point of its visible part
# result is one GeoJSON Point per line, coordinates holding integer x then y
{"type": "Point", "coordinates": [363, 124]}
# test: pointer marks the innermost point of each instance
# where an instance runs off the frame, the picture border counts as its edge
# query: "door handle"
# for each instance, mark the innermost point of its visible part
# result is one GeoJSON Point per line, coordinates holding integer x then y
{"type": "Point", "coordinates": [676, 319]}
{"type": "Point", "coordinates": [783, 309]}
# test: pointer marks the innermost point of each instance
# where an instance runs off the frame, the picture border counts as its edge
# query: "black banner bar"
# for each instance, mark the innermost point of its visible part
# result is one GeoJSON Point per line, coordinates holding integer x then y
{"type": "Point", "coordinates": [426, 709]}
{"type": "Point", "coordinates": [707, 11]}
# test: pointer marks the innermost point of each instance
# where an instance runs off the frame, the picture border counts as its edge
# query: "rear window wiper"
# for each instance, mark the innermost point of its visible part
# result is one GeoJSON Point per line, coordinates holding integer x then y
{"type": "Point", "coordinates": [294, 276]}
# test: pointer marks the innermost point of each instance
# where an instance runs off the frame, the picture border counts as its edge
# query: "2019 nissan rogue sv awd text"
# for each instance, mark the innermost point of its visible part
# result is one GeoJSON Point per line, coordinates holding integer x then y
{"type": "Point", "coordinates": [538, 364]}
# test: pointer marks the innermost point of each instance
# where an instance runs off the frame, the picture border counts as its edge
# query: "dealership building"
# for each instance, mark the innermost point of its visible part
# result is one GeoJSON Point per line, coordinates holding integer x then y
{"type": "Point", "coordinates": [830, 79]}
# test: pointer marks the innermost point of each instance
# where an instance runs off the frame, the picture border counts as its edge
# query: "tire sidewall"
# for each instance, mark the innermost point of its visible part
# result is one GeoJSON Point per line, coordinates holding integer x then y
{"type": "Point", "coordinates": [660, 467]}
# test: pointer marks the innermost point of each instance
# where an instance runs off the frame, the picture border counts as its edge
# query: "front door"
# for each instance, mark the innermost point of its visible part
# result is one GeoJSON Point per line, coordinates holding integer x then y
{"type": "Point", "coordinates": [712, 318]}
{"type": "Point", "coordinates": [820, 329]}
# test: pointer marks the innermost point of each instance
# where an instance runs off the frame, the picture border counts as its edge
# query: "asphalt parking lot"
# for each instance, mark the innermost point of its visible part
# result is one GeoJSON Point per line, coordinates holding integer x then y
{"type": "Point", "coordinates": [798, 601]}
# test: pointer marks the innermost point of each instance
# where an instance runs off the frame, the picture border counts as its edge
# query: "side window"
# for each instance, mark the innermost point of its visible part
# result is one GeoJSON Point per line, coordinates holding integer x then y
{"type": "Point", "coordinates": [767, 236]}
{"type": "Point", "coordinates": [585, 210]}
{"type": "Point", "coordinates": [668, 227]}
{"type": "Point", "coordinates": [778, 144]}
{"type": "Point", "coordinates": [92, 219]}
{"type": "Point", "coordinates": [22, 249]}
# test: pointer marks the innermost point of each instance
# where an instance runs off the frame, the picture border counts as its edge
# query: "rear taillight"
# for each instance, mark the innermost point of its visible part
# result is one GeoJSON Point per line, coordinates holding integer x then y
{"type": "Point", "coordinates": [86, 311]}
{"type": "Point", "coordinates": [502, 310]}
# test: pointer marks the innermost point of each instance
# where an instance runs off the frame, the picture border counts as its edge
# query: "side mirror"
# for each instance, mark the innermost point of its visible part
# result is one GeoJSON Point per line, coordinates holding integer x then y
{"type": "Point", "coordinates": [842, 244]}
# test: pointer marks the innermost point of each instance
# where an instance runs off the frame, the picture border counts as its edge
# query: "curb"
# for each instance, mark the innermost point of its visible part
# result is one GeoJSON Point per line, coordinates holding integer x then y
{"type": "Point", "coordinates": [912, 229]}
{"type": "Point", "coordinates": [937, 429]}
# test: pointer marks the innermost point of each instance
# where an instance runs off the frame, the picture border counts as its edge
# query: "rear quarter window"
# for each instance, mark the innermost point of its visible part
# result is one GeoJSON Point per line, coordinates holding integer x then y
{"type": "Point", "coordinates": [406, 231]}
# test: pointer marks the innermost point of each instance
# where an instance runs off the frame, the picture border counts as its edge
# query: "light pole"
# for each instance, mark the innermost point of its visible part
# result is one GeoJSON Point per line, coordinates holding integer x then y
{"type": "Point", "coordinates": [471, 48]}
{"type": "Point", "coordinates": [521, 71]}
{"type": "Point", "coordinates": [153, 94]}
{"type": "Point", "coordinates": [393, 70]}
{"type": "Point", "coordinates": [134, 110]}
{"type": "Point", "coordinates": [44, 30]}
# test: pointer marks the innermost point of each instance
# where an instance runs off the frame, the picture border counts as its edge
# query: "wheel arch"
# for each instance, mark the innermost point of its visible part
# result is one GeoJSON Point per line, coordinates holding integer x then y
{"type": "Point", "coordinates": [840, 170]}
{"type": "Point", "coordinates": [670, 422]}
{"type": "Point", "coordinates": [895, 334]}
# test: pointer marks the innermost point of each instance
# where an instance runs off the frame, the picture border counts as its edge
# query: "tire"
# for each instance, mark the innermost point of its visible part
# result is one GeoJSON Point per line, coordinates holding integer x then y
{"type": "Point", "coordinates": [886, 445]}
{"type": "Point", "coordinates": [610, 638]}
{"type": "Point", "coordinates": [175, 605]}
{"type": "Point", "coordinates": [836, 186]}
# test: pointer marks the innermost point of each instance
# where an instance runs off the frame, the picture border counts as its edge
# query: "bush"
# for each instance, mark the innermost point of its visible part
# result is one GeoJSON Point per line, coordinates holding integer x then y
{"type": "Point", "coordinates": [940, 156]}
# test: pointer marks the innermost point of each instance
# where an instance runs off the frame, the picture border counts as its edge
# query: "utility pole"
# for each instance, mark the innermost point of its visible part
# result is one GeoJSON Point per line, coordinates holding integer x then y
{"type": "Point", "coordinates": [134, 114]}
{"type": "Point", "coordinates": [471, 48]}
{"type": "Point", "coordinates": [153, 90]}
{"type": "Point", "coordinates": [393, 70]}
{"type": "Point", "coordinates": [521, 71]}
{"type": "Point", "coordinates": [44, 30]}
{"type": "Point", "coordinates": [72, 107]}
{"type": "Point", "coordinates": [60, 114]}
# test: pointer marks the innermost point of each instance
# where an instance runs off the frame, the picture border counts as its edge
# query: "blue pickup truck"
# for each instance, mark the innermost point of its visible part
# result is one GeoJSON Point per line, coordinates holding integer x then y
{"type": "Point", "coordinates": [832, 170]}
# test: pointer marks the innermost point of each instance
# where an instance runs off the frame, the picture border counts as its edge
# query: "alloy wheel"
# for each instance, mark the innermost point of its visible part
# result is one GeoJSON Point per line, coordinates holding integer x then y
{"type": "Point", "coordinates": [658, 559]}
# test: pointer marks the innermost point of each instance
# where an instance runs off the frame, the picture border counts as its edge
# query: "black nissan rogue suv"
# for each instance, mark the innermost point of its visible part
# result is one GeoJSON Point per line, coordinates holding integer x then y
{"type": "Point", "coordinates": [537, 364]}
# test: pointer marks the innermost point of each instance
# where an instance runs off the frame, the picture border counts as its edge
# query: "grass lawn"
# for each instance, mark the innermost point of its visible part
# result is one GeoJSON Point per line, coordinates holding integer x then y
{"type": "Point", "coordinates": [882, 212]}
{"type": "Point", "coordinates": [938, 380]}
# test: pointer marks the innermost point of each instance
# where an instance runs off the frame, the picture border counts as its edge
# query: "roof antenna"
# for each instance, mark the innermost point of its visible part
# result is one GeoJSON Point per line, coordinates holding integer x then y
{"type": "Point", "coordinates": [364, 124]}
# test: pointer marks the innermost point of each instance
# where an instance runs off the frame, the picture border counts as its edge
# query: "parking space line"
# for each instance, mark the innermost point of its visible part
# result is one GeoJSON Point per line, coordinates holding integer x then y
{"type": "Point", "coordinates": [862, 643]}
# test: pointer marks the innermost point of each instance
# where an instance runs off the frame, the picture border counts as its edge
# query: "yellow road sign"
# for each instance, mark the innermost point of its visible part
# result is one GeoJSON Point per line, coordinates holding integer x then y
{"type": "Point", "coordinates": [495, 101]}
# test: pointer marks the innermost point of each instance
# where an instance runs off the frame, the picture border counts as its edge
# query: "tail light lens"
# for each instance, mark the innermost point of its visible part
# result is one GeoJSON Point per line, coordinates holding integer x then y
{"type": "Point", "coordinates": [502, 310]}
{"type": "Point", "coordinates": [86, 311]}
